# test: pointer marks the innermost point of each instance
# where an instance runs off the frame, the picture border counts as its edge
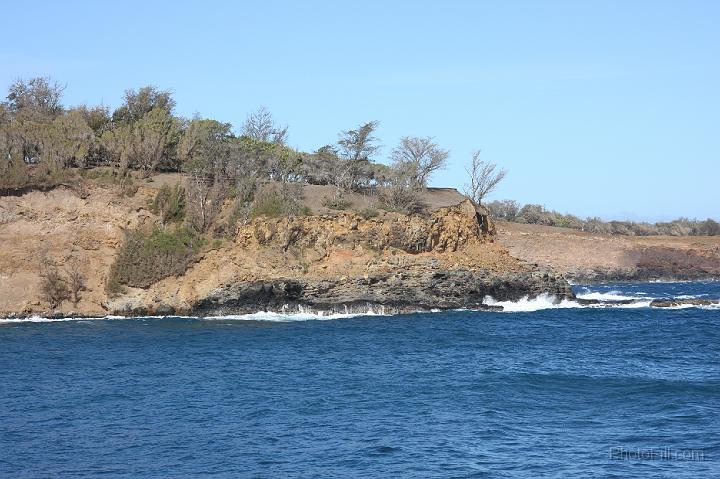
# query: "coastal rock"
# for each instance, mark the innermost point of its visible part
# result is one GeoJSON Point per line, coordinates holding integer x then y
{"type": "Point", "coordinates": [671, 303]}
{"type": "Point", "coordinates": [390, 293]}
{"type": "Point", "coordinates": [337, 261]}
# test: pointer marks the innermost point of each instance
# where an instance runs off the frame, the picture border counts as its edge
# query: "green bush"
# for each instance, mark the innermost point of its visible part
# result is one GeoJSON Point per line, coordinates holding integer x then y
{"type": "Point", "coordinates": [278, 200]}
{"type": "Point", "coordinates": [169, 203]}
{"type": "Point", "coordinates": [17, 177]}
{"type": "Point", "coordinates": [147, 257]}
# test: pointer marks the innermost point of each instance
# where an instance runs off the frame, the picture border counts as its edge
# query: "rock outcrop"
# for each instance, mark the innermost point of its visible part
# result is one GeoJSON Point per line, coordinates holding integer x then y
{"type": "Point", "coordinates": [332, 262]}
{"type": "Point", "coordinates": [392, 293]}
{"type": "Point", "coordinates": [437, 266]}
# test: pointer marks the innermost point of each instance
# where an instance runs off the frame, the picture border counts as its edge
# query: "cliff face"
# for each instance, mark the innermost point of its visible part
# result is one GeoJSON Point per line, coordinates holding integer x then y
{"type": "Point", "coordinates": [332, 262]}
{"type": "Point", "coordinates": [345, 262]}
{"type": "Point", "coordinates": [396, 263]}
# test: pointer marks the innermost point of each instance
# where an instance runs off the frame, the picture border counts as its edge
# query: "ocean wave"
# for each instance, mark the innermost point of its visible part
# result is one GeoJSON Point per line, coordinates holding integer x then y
{"type": "Point", "coordinates": [302, 314]}
{"type": "Point", "coordinates": [608, 296]}
{"type": "Point", "coordinates": [526, 304]}
{"type": "Point", "coordinates": [545, 301]}
{"type": "Point", "coordinates": [290, 317]}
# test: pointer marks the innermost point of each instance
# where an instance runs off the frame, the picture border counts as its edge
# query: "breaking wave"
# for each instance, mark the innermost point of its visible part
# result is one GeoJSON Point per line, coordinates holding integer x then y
{"type": "Point", "coordinates": [607, 296]}
{"type": "Point", "coordinates": [616, 296]}
{"type": "Point", "coordinates": [303, 314]}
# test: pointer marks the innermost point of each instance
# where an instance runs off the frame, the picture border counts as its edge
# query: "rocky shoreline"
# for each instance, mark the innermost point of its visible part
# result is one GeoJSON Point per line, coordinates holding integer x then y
{"type": "Point", "coordinates": [396, 293]}
{"type": "Point", "coordinates": [213, 307]}
{"type": "Point", "coordinates": [340, 262]}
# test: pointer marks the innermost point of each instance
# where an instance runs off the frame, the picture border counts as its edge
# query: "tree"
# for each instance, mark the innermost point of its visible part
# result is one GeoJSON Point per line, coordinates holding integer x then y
{"type": "Point", "coordinates": [38, 98]}
{"type": "Point", "coordinates": [418, 158]}
{"type": "Point", "coordinates": [505, 209]}
{"type": "Point", "coordinates": [260, 125]}
{"type": "Point", "coordinates": [483, 178]}
{"type": "Point", "coordinates": [204, 151]}
{"type": "Point", "coordinates": [76, 281]}
{"type": "Point", "coordinates": [151, 136]}
{"type": "Point", "coordinates": [68, 140]}
{"type": "Point", "coordinates": [139, 103]}
{"type": "Point", "coordinates": [52, 284]}
{"type": "Point", "coordinates": [204, 148]}
{"type": "Point", "coordinates": [96, 117]}
{"type": "Point", "coordinates": [356, 148]}
{"type": "Point", "coordinates": [116, 143]}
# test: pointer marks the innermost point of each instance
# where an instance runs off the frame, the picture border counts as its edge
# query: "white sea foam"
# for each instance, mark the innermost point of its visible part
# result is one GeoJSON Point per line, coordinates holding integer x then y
{"type": "Point", "coordinates": [301, 314]}
{"type": "Point", "coordinates": [545, 301]}
{"type": "Point", "coordinates": [607, 296]}
{"type": "Point", "coordinates": [289, 317]}
{"type": "Point", "coordinates": [41, 319]}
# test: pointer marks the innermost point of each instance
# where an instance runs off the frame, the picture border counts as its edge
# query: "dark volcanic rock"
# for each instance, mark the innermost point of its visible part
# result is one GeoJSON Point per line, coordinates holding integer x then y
{"type": "Point", "coordinates": [607, 302]}
{"type": "Point", "coordinates": [397, 292]}
{"type": "Point", "coordinates": [669, 303]}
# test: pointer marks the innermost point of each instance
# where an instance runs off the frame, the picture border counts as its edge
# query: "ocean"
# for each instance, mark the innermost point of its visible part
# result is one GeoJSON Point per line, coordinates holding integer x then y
{"type": "Point", "coordinates": [542, 390]}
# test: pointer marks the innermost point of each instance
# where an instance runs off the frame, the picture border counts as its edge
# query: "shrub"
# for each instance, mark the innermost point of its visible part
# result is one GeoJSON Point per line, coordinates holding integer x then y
{"type": "Point", "coordinates": [52, 284]}
{"type": "Point", "coordinates": [336, 202]}
{"type": "Point", "coordinates": [368, 213]}
{"type": "Point", "coordinates": [278, 200]}
{"type": "Point", "coordinates": [505, 209]}
{"type": "Point", "coordinates": [76, 281]}
{"type": "Point", "coordinates": [169, 203]}
{"type": "Point", "coordinates": [17, 177]}
{"type": "Point", "coordinates": [403, 199]}
{"type": "Point", "coordinates": [147, 257]}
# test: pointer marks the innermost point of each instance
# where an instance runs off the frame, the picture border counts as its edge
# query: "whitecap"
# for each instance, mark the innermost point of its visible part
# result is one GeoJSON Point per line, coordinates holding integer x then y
{"type": "Point", "coordinates": [546, 301]}
{"type": "Point", "coordinates": [608, 296]}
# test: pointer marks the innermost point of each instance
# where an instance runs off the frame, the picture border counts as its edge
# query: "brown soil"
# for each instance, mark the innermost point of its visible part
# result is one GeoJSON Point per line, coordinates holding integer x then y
{"type": "Point", "coordinates": [586, 256]}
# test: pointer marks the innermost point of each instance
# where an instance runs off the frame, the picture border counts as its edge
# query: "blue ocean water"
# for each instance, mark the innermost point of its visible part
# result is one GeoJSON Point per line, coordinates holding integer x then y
{"type": "Point", "coordinates": [569, 392]}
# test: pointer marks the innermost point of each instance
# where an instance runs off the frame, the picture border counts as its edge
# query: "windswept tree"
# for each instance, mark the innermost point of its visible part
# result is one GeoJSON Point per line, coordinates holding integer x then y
{"type": "Point", "coordinates": [139, 103]}
{"type": "Point", "coordinates": [356, 149]}
{"type": "Point", "coordinates": [484, 178]}
{"type": "Point", "coordinates": [68, 140]}
{"type": "Point", "coordinates": [204, 151]}
{"type": "Point", "coordinates": [36, 99]}
{"type": "Point", "coordinates": [96, 117]}
{"type": "Point", "coordinates": [204, 148]}
{"type": "Point", "coordinates": [151, 139]}
{"type": "Point", "coordinates": [260, 125]}
{"type": "Point", "coordinates": [417, 158]}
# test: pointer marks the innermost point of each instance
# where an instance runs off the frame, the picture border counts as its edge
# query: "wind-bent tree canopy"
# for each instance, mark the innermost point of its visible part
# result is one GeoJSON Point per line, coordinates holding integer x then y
{"type": "Point", "coordinates": [483, 178]}
{"type": "Point", "coordinates": [417, 158]}
{"type": "Point", "coordinates": [38, 97]}
{"type": "Point", "coordinates": [356, 148]}
{"type": "Point", "coordinates": [139, 103]}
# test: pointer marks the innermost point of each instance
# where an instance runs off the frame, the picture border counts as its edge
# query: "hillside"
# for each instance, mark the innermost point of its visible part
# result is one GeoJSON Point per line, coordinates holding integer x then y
{"type": "Point", "coordinates": [583, 256]}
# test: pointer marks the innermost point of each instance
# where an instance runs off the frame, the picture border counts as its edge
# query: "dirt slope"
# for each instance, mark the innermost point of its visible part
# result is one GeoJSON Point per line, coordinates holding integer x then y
{"type": "Point", "coordinates": [585, 256]}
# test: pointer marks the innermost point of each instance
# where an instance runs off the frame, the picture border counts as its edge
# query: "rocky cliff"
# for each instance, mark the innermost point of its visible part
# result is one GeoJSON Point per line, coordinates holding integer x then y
{"type": "Point", "coordinates": [329, 262]}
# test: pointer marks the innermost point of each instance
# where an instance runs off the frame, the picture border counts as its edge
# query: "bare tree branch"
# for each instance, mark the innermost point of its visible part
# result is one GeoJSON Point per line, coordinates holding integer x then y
{"type": "Point", "coordinates": [483, 178]}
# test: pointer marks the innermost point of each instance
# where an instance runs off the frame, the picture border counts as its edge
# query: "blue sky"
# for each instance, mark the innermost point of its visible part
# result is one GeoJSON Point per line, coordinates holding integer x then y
{"type": "Point", "coordinates": [607, 108]}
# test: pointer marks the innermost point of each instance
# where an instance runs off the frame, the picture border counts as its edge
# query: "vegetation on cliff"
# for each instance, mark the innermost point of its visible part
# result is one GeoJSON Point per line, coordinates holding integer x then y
{"type": "Point", "coordinates": [509, 210]}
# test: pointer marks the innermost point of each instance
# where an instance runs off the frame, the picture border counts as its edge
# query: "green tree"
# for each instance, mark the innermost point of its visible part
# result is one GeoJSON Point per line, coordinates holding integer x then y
{"type": "Point", "coordinates": [150, 140]}
{"type": "Point", "coordinates": [38, 99]}
{"type": "Point", "coordinates": [139, 103]}
{"type": "Point", "coordinates": [356, 148]}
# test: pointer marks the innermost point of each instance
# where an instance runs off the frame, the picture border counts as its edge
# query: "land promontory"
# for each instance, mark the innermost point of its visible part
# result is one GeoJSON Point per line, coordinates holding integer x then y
{"type": "Point", "coordinates": [324, 260]}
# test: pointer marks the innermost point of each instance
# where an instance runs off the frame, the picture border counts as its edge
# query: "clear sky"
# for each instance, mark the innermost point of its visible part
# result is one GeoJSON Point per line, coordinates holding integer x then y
{"type": "Point", "coordinates": [607, 108]}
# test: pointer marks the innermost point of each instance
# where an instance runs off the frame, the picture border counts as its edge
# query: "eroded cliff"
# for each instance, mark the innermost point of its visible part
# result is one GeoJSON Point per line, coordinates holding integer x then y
{"type": "Point", "coordinates": [341, 261]}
